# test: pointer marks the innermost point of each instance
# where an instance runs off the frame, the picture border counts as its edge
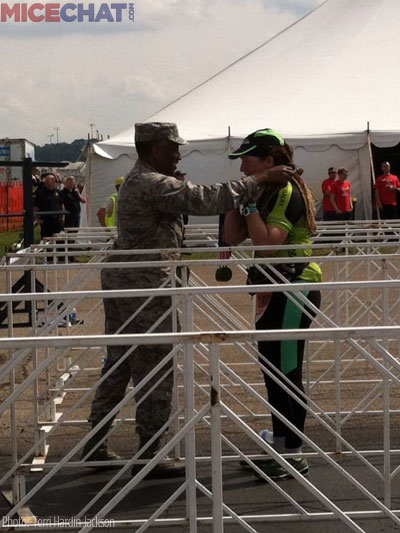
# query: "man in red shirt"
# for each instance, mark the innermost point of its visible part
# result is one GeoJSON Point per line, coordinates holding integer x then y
{"type": "Point", "coordinates": [341, 196]}
{"type": "Point", "coordinates": [327, 207]}
{"type": "Point", "coordinates": [386, 187]}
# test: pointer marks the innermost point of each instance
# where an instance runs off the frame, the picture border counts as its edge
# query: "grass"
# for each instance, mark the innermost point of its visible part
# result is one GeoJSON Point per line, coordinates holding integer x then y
{"type": "Point", "coordinates": [200, 255]}
{"type": "Point", "coordinates": [8, 238]}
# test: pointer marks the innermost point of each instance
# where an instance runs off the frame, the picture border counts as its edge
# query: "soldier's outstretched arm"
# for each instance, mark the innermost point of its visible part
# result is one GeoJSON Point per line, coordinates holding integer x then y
{"type": "Point", "coordinates": [171, 195]}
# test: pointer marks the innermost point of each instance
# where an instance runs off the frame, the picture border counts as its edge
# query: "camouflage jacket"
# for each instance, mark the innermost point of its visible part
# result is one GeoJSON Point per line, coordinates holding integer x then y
{"type": "Point", "coordinates": [151, 205]}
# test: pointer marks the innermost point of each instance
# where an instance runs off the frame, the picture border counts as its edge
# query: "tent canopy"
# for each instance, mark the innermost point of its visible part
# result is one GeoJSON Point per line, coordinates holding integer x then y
{"type": "Point", "coordinates": [320, 82]}
{"type": "Point", "coordinates": [329, 73]}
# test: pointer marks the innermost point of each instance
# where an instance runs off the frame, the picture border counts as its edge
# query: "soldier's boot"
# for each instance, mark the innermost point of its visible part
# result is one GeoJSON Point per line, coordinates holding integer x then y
{"type": "Point", "coordinates": [170, 469]}
{"type": "Point", "coordinates": [101, 453]}
{"type": "Point", "coordinates": [152, 450]}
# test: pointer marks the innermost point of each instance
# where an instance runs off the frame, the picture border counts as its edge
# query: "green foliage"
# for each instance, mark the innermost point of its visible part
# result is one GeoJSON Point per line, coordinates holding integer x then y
{"type": "Point", "coordinates": [61, 151]}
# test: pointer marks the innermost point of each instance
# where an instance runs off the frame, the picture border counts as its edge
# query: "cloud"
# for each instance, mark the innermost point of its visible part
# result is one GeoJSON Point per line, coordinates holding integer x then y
{"type": "Point", "coordinates": [143, 86]}
{"type": "Point", "coordinates": [149, 15]}
{"type": "Point", "coordinates": [299, 7]}
{"type": "Point", "coordinates": [114, 77]}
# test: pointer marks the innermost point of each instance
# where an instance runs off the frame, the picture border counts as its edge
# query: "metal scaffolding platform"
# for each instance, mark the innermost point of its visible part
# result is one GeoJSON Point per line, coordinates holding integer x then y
{"type": "Point", "coordinates": [50, 370]}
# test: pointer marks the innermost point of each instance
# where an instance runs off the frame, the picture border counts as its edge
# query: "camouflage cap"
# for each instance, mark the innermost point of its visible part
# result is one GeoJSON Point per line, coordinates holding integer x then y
{"type": "Point", "coordinates": [157, 131]}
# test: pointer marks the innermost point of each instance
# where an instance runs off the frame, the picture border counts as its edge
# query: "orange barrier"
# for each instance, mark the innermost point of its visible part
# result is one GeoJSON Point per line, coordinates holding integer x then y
{"type": "Point", "coordinates": [11, 201]}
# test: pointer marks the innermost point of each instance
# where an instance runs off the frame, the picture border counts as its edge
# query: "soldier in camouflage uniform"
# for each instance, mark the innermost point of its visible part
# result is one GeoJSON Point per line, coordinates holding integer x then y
{"type": "Point", "coordinates": [150, 207]}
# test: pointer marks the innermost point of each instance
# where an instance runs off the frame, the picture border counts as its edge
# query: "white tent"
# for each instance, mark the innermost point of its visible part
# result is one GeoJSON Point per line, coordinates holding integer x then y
{"type": "Point", "coordinates": [319, 83]}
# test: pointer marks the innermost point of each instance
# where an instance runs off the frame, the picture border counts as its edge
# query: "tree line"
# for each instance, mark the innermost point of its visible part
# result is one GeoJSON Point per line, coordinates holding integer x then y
{"type": "Point", "coordinates": [62, 151]}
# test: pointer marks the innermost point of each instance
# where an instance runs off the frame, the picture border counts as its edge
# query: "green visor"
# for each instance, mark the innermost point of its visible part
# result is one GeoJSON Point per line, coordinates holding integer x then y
{"type": "Point", "coordinates": [258, 143]}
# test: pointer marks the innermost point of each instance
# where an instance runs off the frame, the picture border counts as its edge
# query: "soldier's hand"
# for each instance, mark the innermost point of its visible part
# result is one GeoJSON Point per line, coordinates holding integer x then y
{"type": "Point", "coordinates": [180, 176]}
{"type": "Point", "coordinates": [279, 174]}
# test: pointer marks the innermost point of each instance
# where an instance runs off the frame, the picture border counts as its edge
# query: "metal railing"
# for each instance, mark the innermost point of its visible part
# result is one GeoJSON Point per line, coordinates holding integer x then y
{"type": "Point", "coordinates": [219, 393]}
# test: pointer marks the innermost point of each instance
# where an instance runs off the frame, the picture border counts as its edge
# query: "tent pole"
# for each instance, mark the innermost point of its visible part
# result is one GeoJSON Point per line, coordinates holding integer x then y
{"type": "Point", "coordinates": [371, 161]}
{"type": "Point", "coordinates": [229, 149]}
{"type": "Point", "coordinates": [89, 175]}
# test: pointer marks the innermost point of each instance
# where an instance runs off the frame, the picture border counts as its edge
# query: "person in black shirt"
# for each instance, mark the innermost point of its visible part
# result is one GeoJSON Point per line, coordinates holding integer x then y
{"type": "Point", "coordinates": [48, 198]}
{"type": "Point", "coordinates": [72, 202]}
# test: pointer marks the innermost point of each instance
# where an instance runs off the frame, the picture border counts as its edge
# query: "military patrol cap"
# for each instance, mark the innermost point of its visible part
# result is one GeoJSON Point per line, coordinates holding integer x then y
{"type": "Point", "coordinates": [157, 131]}
{"type": "Point", "coordinates": [257, 143]}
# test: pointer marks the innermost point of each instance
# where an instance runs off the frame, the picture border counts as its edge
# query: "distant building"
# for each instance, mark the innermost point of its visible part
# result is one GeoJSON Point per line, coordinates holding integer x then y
{"type": "Point", "coordinates": [14, 150]}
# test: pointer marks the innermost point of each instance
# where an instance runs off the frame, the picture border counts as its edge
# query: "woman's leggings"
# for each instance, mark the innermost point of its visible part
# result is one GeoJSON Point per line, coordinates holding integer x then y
{"type": "Point", "coordinates": [286, 356]}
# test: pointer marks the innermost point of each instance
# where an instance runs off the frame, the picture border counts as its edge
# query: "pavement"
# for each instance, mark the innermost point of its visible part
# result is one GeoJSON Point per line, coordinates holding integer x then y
{"type": "Point", "coordinates": [72, 488]}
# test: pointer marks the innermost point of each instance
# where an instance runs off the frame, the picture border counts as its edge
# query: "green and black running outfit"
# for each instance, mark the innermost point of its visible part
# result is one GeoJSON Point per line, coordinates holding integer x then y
{"type": "Point", "coordinates": [286, 209]}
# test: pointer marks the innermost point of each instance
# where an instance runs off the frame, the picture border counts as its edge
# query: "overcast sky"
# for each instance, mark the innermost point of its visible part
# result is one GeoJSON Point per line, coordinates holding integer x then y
{"type": "Point", "coordinates": [112, 74]}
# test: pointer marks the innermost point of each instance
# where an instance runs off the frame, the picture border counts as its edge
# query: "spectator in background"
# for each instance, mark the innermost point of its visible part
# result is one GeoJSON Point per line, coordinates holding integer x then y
{"type": "Point", "coordinates": [327, 206]}
{"type": "Point", "coordinates": [72, 201]}
{"type": "Point", "coordinates": [36, 180]}
{"type": "Point", "coordinates": [386, 187]}
{"type": "Point", "coordinates": [108, 215]}
{"type": "Point", "coordinates": [340, 196]}
{"type": "Point", "coordinates": [48, 199]}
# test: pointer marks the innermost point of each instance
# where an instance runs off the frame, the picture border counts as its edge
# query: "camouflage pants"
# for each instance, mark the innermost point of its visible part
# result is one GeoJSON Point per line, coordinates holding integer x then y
{"type": "Point", "coordinates": [155, 410]}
